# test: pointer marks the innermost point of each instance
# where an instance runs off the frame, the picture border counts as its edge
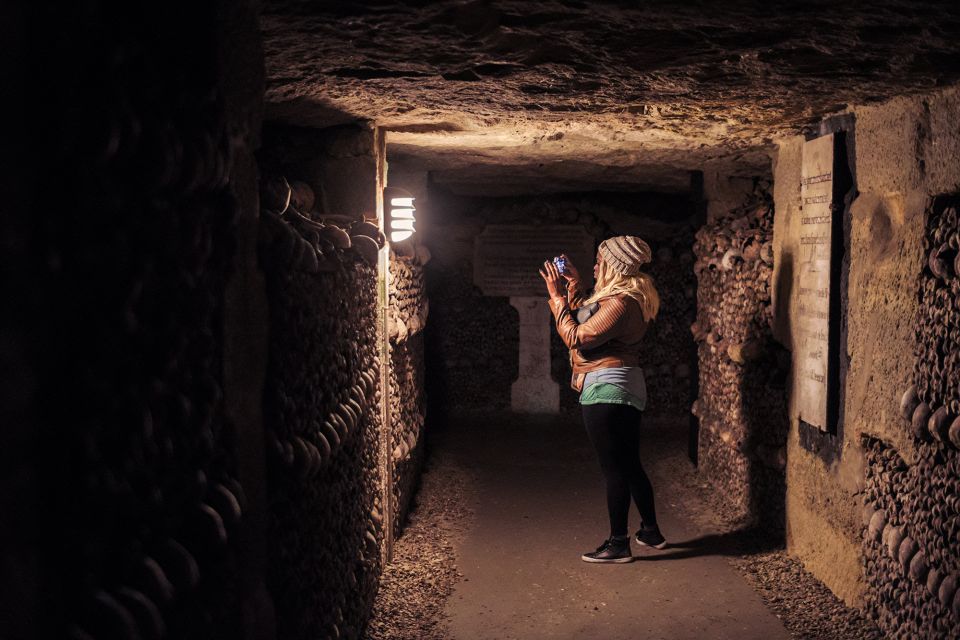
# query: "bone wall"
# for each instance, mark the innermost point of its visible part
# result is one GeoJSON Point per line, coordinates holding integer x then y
{"type": "Point", "coordinates": [132, 498]}
{"type": "Point", "coordinates": [408, 313]}
{"type": "Point", "coordinates": [903, 155]}
{"type": "Point", "coordinates": [322, 417]}
{"type": "Point", "coordinates": [742, 401]}
{"type": "Point", "coordinates": [322, 396]}
{"type": "Point", "coordinates": [911, 547]}
{"type": "Point", "coordinates": [668, 355]}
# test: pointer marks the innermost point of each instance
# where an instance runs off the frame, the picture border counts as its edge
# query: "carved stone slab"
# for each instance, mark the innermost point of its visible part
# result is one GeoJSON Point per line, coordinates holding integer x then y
{"type": "Point", "coordinates": [814, 280]}
{"type": "Point", "coordinates": [507, 257]}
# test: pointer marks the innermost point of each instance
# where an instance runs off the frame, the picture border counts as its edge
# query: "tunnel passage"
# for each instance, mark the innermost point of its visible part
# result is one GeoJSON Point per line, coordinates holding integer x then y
{"type": "Point", "coordinates": [472, 340]}
{"type": "Point", "coordinates": [221, 375]}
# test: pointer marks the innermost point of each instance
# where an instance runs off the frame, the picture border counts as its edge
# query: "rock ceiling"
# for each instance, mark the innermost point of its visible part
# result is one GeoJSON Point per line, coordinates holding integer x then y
{"type": "Point", "coordinates": [637, 89]}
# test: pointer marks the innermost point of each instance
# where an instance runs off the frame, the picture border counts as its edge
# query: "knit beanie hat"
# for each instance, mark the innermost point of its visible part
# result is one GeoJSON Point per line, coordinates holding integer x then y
{"type": "Point", "coordinates": [625, 254]}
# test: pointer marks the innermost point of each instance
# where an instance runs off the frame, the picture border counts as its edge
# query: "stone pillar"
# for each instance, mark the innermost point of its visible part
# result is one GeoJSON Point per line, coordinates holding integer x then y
{"type": "Point", "coordinates": [534, 391]}
{"type": "Point", "coordinates": [507, 260]}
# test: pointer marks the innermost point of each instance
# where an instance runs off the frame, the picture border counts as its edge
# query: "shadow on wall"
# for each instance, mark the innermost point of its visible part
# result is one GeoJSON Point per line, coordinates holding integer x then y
{"type": "Point", "coordinates": [784, 288]}
{"type": "Point", "coordinates": [764, 400]}
{"type": "Point", "coordinates": [764, 391]}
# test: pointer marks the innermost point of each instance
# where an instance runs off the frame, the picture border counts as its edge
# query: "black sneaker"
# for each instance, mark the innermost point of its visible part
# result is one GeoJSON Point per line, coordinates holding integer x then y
{"type": "Point", "coordinates": [651, 537]}
{"type": "Point", "coordinates": [612, 550]}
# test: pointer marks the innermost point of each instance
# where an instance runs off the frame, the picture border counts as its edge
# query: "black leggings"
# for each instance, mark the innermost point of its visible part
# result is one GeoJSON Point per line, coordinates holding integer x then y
{"type": "Point", "coordinates": [614, 430]}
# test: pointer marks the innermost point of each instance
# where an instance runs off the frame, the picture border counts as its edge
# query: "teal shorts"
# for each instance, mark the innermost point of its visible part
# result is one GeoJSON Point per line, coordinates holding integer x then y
{"type": "Point", "coordinates": [605, 393]}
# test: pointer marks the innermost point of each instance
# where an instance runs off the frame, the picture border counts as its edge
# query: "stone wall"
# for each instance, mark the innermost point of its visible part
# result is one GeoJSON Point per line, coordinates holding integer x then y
{"type": "Point", "coordinates": [903, 153]}
{"type": "Point", "coordinates": [742, 398]}
{"type": "Point", "coordinates": [472, 340]}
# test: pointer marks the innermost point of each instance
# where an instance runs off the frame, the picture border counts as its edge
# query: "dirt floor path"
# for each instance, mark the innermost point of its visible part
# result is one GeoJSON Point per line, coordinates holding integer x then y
{"type": "Point", "coordinates": [508, 503]}
{"type": "Point", "coordinates": [539, 504]}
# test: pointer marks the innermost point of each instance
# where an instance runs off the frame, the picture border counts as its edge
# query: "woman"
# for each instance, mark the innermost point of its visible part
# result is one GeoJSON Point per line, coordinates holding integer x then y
{"type": "Point", "coordinates": [603, 334]}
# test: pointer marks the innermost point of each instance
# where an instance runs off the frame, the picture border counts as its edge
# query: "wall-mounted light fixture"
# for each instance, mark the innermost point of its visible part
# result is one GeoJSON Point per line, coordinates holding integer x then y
{"type": "Point", "coordinates": [400, 210]}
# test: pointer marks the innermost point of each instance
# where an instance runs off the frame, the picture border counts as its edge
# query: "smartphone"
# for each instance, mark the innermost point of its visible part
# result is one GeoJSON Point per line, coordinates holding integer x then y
{"type": "Point", "coordinates": [561, 264]}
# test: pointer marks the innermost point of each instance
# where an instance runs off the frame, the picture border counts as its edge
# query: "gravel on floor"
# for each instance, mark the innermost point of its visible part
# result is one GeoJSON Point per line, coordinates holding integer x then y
{"type": "Point", "coordinates": [807, 608]}
{"type": "Point", "coordinates": [415, 585]}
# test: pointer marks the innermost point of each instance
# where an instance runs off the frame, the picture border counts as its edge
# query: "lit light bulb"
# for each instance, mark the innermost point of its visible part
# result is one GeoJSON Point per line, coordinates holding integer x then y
{"type": "Point", "coordinates": [400, 213]}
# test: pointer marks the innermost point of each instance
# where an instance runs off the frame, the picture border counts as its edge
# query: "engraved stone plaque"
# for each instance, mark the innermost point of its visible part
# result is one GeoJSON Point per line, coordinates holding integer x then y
{"type": "Point", "coordinates": [507, 258]}
{"type": "Point", "coordinates": [813, 295]}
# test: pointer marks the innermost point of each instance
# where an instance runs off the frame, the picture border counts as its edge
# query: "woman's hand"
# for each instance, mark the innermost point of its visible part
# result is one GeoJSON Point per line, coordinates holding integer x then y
{"type": "Point", "coordinates": [571, 275]}
{"type": "Point", "coordinates": [551, 275]}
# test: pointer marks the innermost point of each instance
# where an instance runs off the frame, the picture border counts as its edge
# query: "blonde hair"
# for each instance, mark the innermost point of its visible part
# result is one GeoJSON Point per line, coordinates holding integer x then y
{"type": "Point", "coordinates": [639, 287]}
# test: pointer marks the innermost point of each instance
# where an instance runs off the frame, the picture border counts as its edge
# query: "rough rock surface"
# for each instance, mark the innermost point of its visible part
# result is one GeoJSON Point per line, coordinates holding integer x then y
{"type": "Point", "coordinates": [675, 83]}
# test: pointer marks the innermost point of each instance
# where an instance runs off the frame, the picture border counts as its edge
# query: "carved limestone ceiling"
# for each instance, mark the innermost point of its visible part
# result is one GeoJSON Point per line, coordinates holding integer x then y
{"type": "Point", "coordinates": [642, 88]}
